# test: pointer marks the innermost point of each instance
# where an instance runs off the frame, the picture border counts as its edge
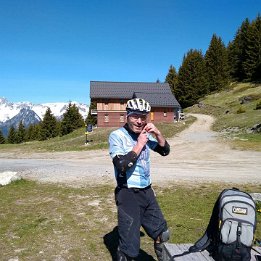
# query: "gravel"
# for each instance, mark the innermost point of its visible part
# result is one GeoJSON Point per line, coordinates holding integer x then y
{"type": "Point", "coordinates": [197, 155]}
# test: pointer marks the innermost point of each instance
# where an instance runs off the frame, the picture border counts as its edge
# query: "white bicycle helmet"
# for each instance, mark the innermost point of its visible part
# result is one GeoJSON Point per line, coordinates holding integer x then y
{"type": "Point", "coordinates": [138, 105]}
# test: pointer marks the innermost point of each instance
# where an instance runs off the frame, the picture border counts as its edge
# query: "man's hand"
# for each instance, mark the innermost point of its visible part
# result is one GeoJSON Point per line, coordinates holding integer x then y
{"type": "Point", "coordinates": [141, 142]}
{"type": "Point", "coordinates": [143, 138]}
{"type": "Point", "coordinates": [151, 128]}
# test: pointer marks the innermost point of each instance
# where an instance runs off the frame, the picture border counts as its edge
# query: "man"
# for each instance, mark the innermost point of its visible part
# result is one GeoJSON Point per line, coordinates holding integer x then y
{"type": "Point", "coordinates": [136, 203]}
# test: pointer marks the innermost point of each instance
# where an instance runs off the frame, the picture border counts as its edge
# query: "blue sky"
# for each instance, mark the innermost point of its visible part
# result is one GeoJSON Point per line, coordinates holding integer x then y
{"type": "Point", "coordinates": [50, 50]}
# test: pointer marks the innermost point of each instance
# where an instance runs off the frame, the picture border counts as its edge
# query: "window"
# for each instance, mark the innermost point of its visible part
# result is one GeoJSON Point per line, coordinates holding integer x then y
{"type": "Point", "coordinates": [122, 118]}
{"type": "Point", "coordinates": [106, 118]}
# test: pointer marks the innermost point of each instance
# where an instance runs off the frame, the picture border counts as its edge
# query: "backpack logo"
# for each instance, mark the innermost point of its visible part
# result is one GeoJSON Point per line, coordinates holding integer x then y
{"type": "Point", "coordinates": [239, 210]}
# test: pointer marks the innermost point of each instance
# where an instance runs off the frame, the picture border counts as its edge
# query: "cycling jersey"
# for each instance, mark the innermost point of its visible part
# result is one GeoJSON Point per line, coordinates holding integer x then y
{"type": "Point", "coordinates": [121, 142]}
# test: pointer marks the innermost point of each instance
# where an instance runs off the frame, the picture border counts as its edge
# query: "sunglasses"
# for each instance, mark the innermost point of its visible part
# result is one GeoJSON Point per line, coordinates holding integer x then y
{"type": "Point", "coordinates": [139, 116]}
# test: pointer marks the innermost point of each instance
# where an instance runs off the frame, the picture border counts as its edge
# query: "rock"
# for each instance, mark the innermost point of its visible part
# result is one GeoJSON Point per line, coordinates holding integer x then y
{"type": "Point", "coordinates": [201, 105]}
{"type": "Point", "coordinates": [256, 128]}
{"type": "Point", "coordinates": [245, 99]}
{"type": "Point", "coordinates": [7, 177]}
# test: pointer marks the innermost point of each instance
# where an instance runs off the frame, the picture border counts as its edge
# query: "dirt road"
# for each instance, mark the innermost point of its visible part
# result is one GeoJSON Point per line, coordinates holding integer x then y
{"type": "Point", "coordinates": [196, 156]}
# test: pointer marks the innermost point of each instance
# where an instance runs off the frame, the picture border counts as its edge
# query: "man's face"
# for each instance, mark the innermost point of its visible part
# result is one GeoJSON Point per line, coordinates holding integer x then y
{"type": "Point", "coordinates": [136, 122]}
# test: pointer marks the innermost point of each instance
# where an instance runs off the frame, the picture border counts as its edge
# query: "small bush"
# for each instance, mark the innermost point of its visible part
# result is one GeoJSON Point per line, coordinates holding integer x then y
{"type": "Point", "coordinates": [258, 105]}
{"type": "Point", "coordinates": [241, 110]}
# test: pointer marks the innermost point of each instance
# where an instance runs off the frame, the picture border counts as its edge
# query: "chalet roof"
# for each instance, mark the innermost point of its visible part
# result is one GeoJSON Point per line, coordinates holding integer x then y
{"type": "Point", "coordinates": [157, 94]}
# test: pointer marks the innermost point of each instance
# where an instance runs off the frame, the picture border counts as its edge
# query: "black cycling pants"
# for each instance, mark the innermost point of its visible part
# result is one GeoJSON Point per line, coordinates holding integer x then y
{"type": "Point", "coordinates": [137, 208]}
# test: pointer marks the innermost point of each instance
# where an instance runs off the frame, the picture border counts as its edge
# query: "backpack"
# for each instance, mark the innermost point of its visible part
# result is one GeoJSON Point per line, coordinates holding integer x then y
{"type": "Point", "coordinates": [237, 218]}
{"type": "Point", "coordinates": [230, 232]}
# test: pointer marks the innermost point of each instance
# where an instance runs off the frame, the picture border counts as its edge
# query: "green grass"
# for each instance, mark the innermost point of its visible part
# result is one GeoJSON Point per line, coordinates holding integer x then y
{"type": "Point", "coordinates": [46, 221]}
{"type": "Point", "coordinates": [234, 119]}
{"type": "Point", "coordinates": [75, 141]}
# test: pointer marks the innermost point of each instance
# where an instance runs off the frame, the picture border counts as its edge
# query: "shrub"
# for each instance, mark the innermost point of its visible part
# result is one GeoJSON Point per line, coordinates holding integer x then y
{"type": "Point", "coordinates": [258, 105]}
{"type": "Point", "coordinates": [241, 110]}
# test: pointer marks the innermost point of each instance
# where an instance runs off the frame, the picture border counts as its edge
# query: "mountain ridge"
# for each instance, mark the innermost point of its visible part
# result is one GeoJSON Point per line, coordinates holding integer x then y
{"type": "Point", "coordinates": [12, 113]}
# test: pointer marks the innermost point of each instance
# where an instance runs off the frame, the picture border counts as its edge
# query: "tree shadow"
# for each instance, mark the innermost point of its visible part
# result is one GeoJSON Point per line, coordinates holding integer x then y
{"type": "Point", "coordinates": [111, 241]}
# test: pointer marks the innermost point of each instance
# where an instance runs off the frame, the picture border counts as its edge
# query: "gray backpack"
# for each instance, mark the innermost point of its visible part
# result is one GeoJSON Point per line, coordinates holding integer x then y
{"type": "Point", "coordinates": [237, 214]}
{"type": "Point", "coordinates": [230, 232]}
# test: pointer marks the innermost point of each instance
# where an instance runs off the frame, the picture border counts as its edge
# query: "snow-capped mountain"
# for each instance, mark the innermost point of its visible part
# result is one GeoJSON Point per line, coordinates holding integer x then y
{"type": "Point", "coordinates": [9, 109]}
{"type": "Point", "coordinates": [12, 113]}
{"type": "Point", "coordinates": [27, 117]}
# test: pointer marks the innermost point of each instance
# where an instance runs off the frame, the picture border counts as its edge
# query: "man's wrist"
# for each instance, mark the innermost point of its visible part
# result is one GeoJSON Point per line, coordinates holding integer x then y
{"type": "Point", "coordinates": [157, 133]}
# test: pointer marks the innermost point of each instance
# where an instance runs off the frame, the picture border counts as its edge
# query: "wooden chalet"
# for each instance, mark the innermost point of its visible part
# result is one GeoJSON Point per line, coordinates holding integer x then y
{"type": "Point", "coordinates": [111, 99]}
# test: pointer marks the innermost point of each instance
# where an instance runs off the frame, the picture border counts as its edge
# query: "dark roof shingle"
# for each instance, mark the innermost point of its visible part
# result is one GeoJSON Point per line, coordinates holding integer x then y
{"type": "Point", "coordinates": [157, 94]}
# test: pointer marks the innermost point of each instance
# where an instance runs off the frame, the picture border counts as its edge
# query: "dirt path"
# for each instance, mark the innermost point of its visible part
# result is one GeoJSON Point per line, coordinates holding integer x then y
{"type": "Point", "coordinates": [196, 156]}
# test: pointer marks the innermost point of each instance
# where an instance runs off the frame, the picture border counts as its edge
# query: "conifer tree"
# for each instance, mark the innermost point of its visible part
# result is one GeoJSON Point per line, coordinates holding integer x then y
{"type": "Point", "coordinates": [251, 64]}
{"type": "Point", "coordinates": [37, 131]}
{"type": "Point", "coordinates": [90, 118]}
{"type": "Point", "coordinates": [192, 83]}
{"type": "Point", "coordinates": [237, 52]}
{"type": "Point", "coordinates": [217, 64]}
{"type": "Point", "coordinates": [12, 135]}
{"type": "Point", "coordinates": [72, 120]}
{"type": "Point", "coordinates": [29, 133]}
{"type": "Point", "coordinates": [48, 126]}
{"type": "Point", "coordinates": [2, 138]}
{"type": "Point", "coordinates": [172, 79]}
{"type": "Point", "coordinates": [20, 133]}
{"type": "Point", "coordinates": [32, 132]}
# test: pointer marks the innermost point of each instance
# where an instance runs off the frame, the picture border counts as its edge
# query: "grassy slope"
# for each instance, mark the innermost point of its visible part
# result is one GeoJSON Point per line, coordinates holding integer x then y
{"type": "Point", "coordinates": [76, 141]}
{"type": "Point", "coordinates": [226, 105]}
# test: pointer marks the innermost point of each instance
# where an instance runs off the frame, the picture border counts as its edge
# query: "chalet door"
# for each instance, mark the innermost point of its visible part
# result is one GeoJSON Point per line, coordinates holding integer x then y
{"type": "Point", "coordinates": [152, 116]}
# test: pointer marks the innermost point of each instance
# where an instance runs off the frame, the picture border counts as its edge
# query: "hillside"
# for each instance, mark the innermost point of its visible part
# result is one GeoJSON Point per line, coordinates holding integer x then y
{"type": "Point", "coordinates": [237, 112]}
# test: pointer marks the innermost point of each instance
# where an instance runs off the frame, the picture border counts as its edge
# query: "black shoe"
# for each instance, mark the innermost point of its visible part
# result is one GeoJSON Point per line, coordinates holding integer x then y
{"type": "Point", "coordinates": [158, 247]}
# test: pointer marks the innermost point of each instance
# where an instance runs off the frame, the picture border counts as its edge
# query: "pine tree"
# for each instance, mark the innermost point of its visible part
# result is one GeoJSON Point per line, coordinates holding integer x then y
{"type": "Point", "coordinates": [237, 52]}
{"type": "Point", "coordinates": [36, 132]}
{"type": "Point", "coordinates": [172, 79]}
{"type": "Point", "coordinates": [20, 136]}
{"type": "Point", "coordinates": [2, 138]}
{"type": "Point", "coordinates": [72, 120]}
{"type": "Point", "coordinates": [32, 132]}
{"type": "Point", "coordinates": [257, 74]}
{"type": "Point", "coordinates": [29, 133]}
{"type": "Point", "coordinates": [12, 135]}
{"type": "Point", "coordinates": [251, 64]}
{"type": "Point", "coordinates": [217, 64]}
{"type": "Point", "coordinates": [192, 83]}
{"type": "Point", "coordinates": [90, 118]}
{"type": "Point", "coordinates": [48, 127]}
